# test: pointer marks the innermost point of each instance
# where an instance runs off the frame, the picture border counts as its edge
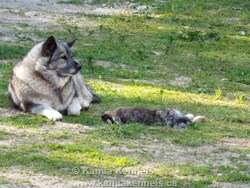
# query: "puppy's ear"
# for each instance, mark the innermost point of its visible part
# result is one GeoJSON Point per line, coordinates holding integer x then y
{"type": "Point", "coordinates": [71, 43]}
{"type": "Point", "coordinates": [49, 47]}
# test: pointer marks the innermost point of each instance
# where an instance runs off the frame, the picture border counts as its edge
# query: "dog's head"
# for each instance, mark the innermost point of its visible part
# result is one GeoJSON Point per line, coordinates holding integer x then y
{"type": "Point", "coordinates": [60, 57]}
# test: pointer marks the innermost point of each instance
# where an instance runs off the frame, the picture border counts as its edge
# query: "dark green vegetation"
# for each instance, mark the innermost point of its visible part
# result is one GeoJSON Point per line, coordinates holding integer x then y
{"type": "Point", "coordinates": [192, 56]}
{"type": "Point", "coordinates": [75, 2]}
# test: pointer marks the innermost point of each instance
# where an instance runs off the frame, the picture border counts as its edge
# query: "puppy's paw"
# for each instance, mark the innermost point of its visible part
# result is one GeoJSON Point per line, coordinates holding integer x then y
{"type": "Point", "coordinates": [108, 121]}
{"type": "Point", "coordinates": [190, 117]}
{"type": "Point", "coordinates": [54, 115]}
{"type": "Point", "coordinates": [199, 119]}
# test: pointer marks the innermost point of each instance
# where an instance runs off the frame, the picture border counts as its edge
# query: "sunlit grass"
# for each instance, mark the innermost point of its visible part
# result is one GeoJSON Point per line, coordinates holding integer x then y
{"type": "Point", "coordinates": [244, 38]}
{"type": "Point", "coordinates": [25, 120]}
{"type": "Point", "coordinates": [57, 158]}
{"type": "Point", "coordinates": [157, 94]}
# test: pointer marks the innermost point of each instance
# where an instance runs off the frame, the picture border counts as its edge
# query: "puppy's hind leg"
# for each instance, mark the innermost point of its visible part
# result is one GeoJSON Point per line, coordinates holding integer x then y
{"type": "Point", "coordinates": [46, 111]}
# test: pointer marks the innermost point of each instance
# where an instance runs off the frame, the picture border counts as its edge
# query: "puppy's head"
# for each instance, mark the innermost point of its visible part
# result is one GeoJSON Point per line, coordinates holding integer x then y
{"type": "Point", "coordinates": [60, 57]}
{"type": "Point", "coordinates": [110, 119]}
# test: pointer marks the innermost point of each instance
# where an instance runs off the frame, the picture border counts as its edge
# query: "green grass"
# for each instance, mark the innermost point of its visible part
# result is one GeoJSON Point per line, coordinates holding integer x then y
{"type": "Point", "coordinates": [25, 120]}
{"type": "Point", "coordinates": [204, 174]}
{"type": "Point", "coordinates": [55, 159]}
{"type": "Point", "coordinates": [74, 2]}
{"type": "Point", "coordinates": [4, 181]}
{"type": "Point", "coordinates": [3, 134]}
{"type": "Point", "coordinates": [11, 52]}
{"type": "Point", "coordinates": [63, 136]}
{"type": "Point", "coordinates": [145, 53]}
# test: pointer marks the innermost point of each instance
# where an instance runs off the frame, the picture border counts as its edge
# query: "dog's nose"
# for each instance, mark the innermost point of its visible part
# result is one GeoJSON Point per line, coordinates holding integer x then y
{"type": "Point", "coordinates": [78, 66]}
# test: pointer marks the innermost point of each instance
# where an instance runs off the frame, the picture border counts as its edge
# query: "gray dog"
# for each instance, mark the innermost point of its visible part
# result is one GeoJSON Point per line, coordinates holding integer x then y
{"type": "Point", "coordinates": [48, 82]}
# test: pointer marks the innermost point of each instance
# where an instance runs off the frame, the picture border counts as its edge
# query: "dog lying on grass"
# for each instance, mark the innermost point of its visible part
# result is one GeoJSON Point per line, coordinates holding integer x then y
{"type": "Point", "coordinates": [167, 116]}
{"type": "Point", "coordinates": [48, 82]}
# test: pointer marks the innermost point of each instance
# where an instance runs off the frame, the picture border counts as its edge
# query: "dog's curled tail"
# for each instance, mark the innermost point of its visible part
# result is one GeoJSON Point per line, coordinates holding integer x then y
{"type": "Point", "coordinates": [96, 99]}
{"type": "Point", "coordinates": [198, 119]}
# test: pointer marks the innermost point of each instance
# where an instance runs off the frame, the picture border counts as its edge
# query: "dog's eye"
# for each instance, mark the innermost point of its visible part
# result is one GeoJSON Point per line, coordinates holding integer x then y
{"type": "Point", "coordinates": [64, 57]}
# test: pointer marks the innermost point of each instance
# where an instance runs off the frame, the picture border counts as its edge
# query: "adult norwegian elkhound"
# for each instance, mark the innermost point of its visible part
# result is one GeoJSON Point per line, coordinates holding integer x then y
{"type": "Point", "coordinates": [48, 82]}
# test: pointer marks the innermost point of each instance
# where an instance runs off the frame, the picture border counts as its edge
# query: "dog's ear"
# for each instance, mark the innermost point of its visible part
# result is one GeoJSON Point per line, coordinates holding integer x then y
{"type": "Point", "coordinates": [49, 47]}
{"type": "Point", "coordinates": [71, 43]}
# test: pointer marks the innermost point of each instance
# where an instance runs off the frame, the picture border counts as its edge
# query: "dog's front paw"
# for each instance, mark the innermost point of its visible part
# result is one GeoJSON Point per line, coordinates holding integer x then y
{"type": "Point", "coordinates": [54, 115]}
{"type": "Point", "coordinates": [74, 108]}
{"type": "Point", "coordinates": [85, 104]}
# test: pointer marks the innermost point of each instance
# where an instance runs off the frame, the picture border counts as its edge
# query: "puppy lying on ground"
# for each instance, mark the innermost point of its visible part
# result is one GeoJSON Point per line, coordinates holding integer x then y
{"type": "Point", "coordinates": [167, 116]}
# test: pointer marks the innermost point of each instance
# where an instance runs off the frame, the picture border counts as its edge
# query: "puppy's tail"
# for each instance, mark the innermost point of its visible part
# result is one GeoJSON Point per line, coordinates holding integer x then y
{"type": "Point", "coordinates": [198, 119]}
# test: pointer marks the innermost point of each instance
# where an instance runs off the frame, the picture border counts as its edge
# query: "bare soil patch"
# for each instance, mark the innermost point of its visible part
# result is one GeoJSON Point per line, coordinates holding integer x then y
{"type": "Point", "coordinates": [181, 81]}
{"type": "Point", "coordinates": [8, 112]}
{"type": "Point", "coordinates": [17, 15]}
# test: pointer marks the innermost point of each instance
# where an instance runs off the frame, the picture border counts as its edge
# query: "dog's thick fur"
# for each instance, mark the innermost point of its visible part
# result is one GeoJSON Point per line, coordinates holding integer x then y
{"type": "Point", "coordinates": [48, 82]}
{"type": "Point", "coordinates": [166, 116]}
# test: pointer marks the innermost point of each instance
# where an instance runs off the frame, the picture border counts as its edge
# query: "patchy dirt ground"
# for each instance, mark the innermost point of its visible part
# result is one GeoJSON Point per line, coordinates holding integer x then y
{"type": "Point", "coordinates": [159, 151]}
{"type": "Point", "coordinates": [41, 13]}
{"type": "Point", "coordinates": [44, 13]}
{"type": "Point", "coordinates": [164, 152]}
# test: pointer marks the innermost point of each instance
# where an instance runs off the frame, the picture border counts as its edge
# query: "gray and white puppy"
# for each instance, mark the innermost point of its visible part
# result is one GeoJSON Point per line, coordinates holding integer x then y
{"type": "Point", "coordinates": [48, 82]}
{"type": "Point", "coordinates": [167, 116]}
